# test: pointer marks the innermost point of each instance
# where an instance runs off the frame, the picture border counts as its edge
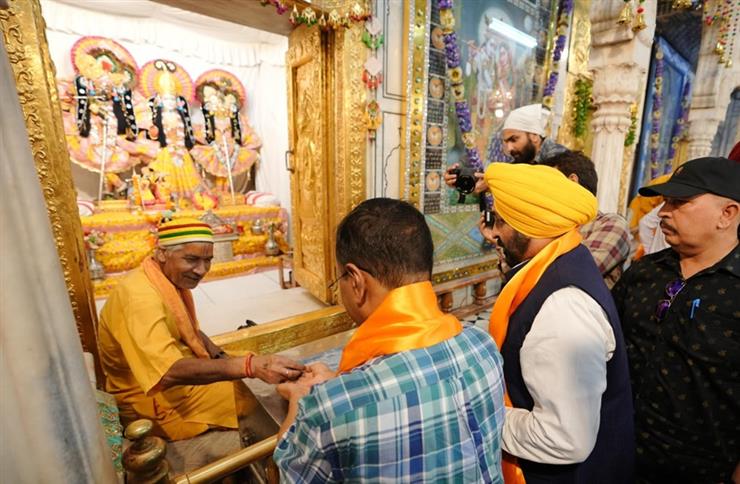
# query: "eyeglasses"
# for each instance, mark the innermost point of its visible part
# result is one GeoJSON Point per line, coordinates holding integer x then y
{"type": "Point", "coordinates": [335, 281]}
{"type": "Point", "coordinates": [330, 287]}
{"type": "Point", "coordinates": [671, 290]}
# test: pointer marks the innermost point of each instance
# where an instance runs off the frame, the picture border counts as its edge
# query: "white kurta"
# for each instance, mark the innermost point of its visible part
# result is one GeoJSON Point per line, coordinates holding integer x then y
{"type": "Point", "coordinates": [563, 361]}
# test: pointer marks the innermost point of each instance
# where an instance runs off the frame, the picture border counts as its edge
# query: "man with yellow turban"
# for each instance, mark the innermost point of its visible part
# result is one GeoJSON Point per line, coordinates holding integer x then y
{"type": "Point", "coordinates": [158, 363]}
{"type": "Point", "coordinates": [569, 404]}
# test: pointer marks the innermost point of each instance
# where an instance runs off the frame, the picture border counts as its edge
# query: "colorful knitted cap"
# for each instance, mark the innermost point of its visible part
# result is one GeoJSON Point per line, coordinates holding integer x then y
{"type": "Point", "coordinates": [183, 231]}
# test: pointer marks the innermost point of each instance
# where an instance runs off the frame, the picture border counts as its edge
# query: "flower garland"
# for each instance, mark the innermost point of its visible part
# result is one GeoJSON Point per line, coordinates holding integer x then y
{"type": "Point", "coordinates": [629, 139]}
{"type": "Point", "coordinates": [280, 7]}
{"type": "Point", "coordinates": [581, 107]}
{"type": "Point", "coordinates": [657, 113]}
{"type": "Point", "coordinates": [565, 8]}
{"type": "Point", "coordinates": [680, 127]}
{"type": "Point", "coordinates": [94, 239]}
{"type": "Point", "coordinates": [455, 74]}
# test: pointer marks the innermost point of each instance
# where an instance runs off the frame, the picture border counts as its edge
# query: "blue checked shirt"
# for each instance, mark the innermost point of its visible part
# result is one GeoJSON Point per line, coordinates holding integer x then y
{"type": "Point", "coordinates": [428, 415]}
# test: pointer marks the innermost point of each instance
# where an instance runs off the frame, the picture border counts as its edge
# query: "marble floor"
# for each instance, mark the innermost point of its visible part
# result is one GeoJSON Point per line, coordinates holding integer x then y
{"type": "Point", "coordinates": [481, 319]}
{"type": "Point", "coordinates": [225, 304]}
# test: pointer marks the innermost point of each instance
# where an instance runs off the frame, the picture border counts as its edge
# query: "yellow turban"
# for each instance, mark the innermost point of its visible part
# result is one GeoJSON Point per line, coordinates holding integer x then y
{"type": "Point", "coordinates": [537, 200]}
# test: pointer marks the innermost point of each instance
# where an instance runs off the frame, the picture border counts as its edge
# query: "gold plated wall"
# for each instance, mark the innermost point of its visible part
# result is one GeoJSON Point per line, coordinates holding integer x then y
{"type": "Point", "coordinates": [415, 79]}
{"type": "Point", "coordinates": [579, 49]}
{"type": "Point", "coordinates": [328, 144]}
{"type": "Point", "coordinates": [24, 36]}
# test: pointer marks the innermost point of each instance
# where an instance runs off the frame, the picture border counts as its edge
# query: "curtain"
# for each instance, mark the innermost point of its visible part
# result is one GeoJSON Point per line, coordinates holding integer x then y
{"type": "Point", "coordinates": [667, 101]}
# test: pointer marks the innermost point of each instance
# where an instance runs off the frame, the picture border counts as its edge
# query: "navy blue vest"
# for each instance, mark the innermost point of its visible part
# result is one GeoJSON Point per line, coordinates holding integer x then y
{"type": "Point", "coordinates": [612, 459]}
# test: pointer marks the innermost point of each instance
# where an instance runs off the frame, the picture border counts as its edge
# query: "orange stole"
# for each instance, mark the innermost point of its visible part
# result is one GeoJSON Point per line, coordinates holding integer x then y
{"type": "Point", "coordinates": [180, 302]}
{"type": "Point", "coordinates": [407, 319]}
{"type": "Point", "coordinates": [512, 295]}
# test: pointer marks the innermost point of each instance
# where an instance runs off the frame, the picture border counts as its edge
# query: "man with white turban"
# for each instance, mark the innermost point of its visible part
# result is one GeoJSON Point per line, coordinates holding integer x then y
{"type": "Point", "coordinates": [569, 403]}
{"type": "Point", "coordinates": [524, 135]}
{"type": "Point", "coordinates": [524, 140]}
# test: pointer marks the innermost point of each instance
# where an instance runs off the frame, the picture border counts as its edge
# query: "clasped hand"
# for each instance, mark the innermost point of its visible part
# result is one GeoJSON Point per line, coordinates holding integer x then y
{"type": "Point", "coordinates": [312, 375]}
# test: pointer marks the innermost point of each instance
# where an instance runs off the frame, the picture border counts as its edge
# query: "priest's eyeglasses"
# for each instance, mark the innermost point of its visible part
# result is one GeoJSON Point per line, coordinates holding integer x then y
{"type": "Point", "coordinates": [671, 290]}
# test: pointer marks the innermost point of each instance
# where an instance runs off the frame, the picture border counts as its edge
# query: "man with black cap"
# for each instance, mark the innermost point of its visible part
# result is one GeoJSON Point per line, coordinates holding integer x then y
{"type": "Point", "coordinates": [680, 309]}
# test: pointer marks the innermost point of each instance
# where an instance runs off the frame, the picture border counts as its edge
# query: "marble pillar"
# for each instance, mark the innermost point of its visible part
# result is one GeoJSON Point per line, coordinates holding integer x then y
{"type": "Point", "coordinates": [50, 430]}
{"type": "Point", "coordinates": [619, 61]}
{"type": "Point", "coordinates": [713, 85]}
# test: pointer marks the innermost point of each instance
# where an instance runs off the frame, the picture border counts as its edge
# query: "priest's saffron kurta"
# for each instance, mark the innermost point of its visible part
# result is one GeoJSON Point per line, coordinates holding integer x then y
{"type": "Point", "coordinates": [139, 341]}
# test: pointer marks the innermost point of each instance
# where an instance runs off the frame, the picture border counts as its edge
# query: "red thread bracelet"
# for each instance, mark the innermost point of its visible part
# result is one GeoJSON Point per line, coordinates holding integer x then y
{"type": "Point", "coordinates": [248, 366]}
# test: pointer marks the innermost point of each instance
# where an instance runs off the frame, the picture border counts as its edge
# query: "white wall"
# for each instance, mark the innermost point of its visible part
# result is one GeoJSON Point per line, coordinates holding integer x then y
{"type": "Point", "coordinates": [383, 177]}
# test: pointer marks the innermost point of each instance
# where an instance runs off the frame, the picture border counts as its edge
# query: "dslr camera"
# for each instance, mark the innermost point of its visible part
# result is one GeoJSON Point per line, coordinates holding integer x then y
{"type": "Point", "coordinates": [465, 183]}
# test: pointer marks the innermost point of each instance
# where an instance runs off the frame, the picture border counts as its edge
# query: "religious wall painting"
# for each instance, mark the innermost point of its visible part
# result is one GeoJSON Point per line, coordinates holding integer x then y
{"type": "Point", "coordinates": [502, 48]}
{"type": "Point", "coordinates": [502, 51]}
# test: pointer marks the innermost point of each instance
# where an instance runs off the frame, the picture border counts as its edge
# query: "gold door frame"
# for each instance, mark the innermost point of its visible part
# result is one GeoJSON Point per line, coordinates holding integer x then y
{"type": "Point", "coordinates": [327, 159]}
{"type": "Point", "coordinates": [308, 134]}
{"type": "Point", "coordinates": [24, 36]}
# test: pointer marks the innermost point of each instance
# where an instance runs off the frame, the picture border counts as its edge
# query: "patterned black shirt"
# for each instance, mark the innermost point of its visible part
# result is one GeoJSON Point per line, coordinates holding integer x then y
{"type": "Point", "coordinates": [684, 368]}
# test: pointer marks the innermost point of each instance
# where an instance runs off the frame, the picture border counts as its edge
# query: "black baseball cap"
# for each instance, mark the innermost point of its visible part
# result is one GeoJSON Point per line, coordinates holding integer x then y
{"type": "Point", "coordinates": [716, 175]}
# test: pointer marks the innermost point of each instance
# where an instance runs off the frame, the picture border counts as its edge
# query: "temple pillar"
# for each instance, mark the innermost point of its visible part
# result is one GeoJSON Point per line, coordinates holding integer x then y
{"type": "Point", "coordinates": [619, 62]}
{"type": "Point", "coordinates": [713, 85]}
{"type": "Point", "coordinates": [50, 429]}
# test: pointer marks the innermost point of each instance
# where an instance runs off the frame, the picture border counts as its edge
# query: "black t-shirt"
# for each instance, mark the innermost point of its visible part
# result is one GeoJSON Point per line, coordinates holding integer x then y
{"type": "Point", "coordinates": [685, 368]}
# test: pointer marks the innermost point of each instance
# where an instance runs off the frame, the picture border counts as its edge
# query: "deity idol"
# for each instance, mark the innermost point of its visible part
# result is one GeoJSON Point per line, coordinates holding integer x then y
{"type": "Point", "coordinates": [227, 141]}
{"type": "Point", "coordinates": [100, 116]}
{"type": "Point", "coordinates": [169, 88]}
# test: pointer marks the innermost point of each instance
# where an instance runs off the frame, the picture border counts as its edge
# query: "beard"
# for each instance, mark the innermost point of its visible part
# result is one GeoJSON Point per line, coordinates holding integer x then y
{"type": "Point", "coordinates": [514, 250]}
{"type": "Point", "coordinates": [526, 155]}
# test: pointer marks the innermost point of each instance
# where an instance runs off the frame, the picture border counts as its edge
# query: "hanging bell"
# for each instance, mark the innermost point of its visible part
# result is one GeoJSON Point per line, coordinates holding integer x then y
{"type": "Point", "coordinates": [728, 64]}
{"type": "Point", "coordinates": [719, 49]}
{"type": "Point", "coordinates": [639, 23]}
{"type": "Point", "coordinates": [625, 17]}
{"type": "Point", "coordinates": [322, 21]}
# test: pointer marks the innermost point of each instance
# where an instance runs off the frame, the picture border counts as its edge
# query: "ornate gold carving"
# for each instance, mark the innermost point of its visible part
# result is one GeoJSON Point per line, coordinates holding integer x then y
{"type": "Point", "coordinates": [349, 54]}
{"type": "Point", "coordinates": [579, 51]}
{"type": "Point", "coordinates": [25, 42]}
{"type": "Point", "coordinates": [580, 41]}
{"type": "Point", "coordinates": [411, 158]}
{"type": "Point", "coordinates": [286, 333]}
{"type": "Point", "coordinates": [308, 114]}
{"type": "Point", "coordinates": [466, 271]}
{"type": "Point", "coordinates": [328, 138]}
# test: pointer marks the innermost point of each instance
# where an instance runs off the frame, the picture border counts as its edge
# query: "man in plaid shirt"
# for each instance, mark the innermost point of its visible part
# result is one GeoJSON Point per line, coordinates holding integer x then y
{"type": "Point", "coordinates": [418, 398]}
{"type": "Point", "coordinates": [607, 236]}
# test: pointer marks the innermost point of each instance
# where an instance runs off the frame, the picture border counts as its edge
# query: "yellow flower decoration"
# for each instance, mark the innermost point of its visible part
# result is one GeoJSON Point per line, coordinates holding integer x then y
{"type": "Point", "coordinates": [447, 19]}
{"type": "Point", "coordinates": [468, 140]}
{"type": "Point", "coordinates": [458, 92]}
{"type": "Point", "coordinates": [456, 75]}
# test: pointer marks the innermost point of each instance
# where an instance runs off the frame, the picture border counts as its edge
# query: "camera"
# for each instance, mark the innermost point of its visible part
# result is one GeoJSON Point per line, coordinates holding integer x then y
{"type": "Point", "coordinates": [465, 183]}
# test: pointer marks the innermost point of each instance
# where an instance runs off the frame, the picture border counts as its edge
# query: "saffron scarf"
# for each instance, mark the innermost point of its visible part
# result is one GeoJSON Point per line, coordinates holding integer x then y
{"type": "Point", "coordinates": [180, 302]}
{"type": "Point", "coordinates": [511, 296]}
{"type": "Point", "coordinates": [407, 319]}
